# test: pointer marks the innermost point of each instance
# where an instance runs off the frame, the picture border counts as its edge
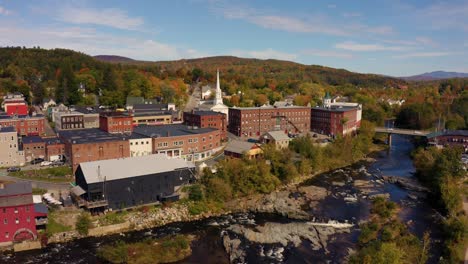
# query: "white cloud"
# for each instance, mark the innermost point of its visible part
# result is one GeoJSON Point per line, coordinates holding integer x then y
{"type": "Point", "coordinates": [445, 15]}
{"type": "Point", "coordinates": [327, 53]}
{"type": "Point", "coordinates": [89, 41]}
{"type": "Point", "coordinates": [111, 17]}
{"type": "Point", "coordinates": [4, 11]}
{"type": "Point", "coordinates": [313, 24]}
{"type": "Point", "coordinates": [351, 14]}
{"type": "Point", "coordinates": [265, 54]}
{"type": "Point", "coordinates": [331, 6]}
{"type": "Point", "coordinates": [424, 54]}
{"type": "Point", "coordinates": [353, 46]}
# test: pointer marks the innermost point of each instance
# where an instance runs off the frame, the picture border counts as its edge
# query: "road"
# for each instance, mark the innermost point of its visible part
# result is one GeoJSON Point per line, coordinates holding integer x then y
{"type": "Point", "coordinates": [194, 99]}
{"type": "Point", "coordinates": [49, 132]}
{"type": "Point", "coordinates": [50, 186]}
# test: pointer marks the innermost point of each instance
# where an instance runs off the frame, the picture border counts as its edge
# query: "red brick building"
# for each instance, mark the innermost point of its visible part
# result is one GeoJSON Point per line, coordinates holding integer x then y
{"type": "Point", "coordinates": [334, 120]}
{"type": "Point", "coordinates": [207, 119]}
{"type": "Point", "coordinates": [15, 104]}
{"type": "Point", "coordinates": [449, 138]}
{"type": "Point", "coordinates": [93, 144]}
{"type": "Point", "coordinates": [190, 143]}
{"type": "Point", "coordinates": [115, 122]}
{"type": "Point", "coordinates": [251, 122]}
{"type": "Point", "coordinates": [25, 125]}
{"type": "Point", "coordinates": [33, 147]}
{"type": "Point", "coordinates": [17, 214]}
{"type": "Point", "coordinates": [55, 149]}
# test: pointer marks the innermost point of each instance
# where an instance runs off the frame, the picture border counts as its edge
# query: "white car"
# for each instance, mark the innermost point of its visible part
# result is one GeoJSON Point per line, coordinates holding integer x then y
{"type": "Point", "coordinates": [45, 163]}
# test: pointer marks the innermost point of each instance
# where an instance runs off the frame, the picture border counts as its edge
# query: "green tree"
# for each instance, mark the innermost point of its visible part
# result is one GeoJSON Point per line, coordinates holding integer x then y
{"type": "Point", "coordinates": [83, 223]}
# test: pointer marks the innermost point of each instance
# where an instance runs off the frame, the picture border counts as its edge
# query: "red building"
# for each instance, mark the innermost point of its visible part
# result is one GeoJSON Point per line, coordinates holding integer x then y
{"type": "Point", "coordinates": [25, 125]}
{"type": "Point", "coordinates": [55, 149]}
{"type": "Point", "coordinates": [207, 119]}
{"type": "Point", "coordinates": [334, 120]}
{"type": "Point", "coordinates": [115, 122]}
{"type": "Point", "coordinates": [251, 122]}
{"type": "Point", "coordinates": [93, 144]}
{"type": "Point", "coordinates": [33, 147]}
{"type": "Point", "coordinates": [15, 104]}
{"type": "Point", "coordinates": [449, 138]}
{"type": "Point", "coordinates": [17, 214]}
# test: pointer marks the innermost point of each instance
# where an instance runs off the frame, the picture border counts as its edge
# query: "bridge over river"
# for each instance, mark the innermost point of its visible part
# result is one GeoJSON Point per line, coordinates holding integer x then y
{"type": "Point", "coordinates": [400, 131]}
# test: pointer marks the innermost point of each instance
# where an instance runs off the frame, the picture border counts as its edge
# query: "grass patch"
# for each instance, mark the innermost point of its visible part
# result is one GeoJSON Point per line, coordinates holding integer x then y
{"type": "Point", "coordinates": [55, 227]}
{"type": "Point", "coordinates": [38, 191]}
{"type": "Point", "coordinates": [164, 250]}
{"type": "Point", "coordinates": [112, 218]}
{"type": "Point", "coordinates": [54, 174]}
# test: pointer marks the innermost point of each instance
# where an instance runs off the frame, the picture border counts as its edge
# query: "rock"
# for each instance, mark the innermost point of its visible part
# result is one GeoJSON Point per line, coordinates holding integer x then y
{"type": "Point", "coordinates": [334, 183]}
{"type": "Point", "coordinates": [232, 249]}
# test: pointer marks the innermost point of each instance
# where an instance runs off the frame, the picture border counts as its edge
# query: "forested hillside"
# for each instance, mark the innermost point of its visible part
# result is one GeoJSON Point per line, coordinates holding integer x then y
{"type": "Point", "coordinates": [59, 74]}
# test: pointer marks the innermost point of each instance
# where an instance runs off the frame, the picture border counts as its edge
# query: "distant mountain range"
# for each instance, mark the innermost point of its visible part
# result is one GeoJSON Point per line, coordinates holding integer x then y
{"type": "Point", "coordinates": [435, 75]}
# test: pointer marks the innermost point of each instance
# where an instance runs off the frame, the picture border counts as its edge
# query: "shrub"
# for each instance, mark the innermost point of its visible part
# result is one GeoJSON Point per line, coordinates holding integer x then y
{"type": "Point", "coordinates": [83, 224]}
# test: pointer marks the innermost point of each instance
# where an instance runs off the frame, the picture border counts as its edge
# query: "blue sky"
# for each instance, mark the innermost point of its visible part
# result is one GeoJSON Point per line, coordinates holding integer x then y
{"type": "Point", "coordinates": [391, 37]}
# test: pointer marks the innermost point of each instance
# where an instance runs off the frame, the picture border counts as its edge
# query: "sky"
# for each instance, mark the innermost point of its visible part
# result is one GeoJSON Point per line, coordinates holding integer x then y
{"type": "Point", "coordinates": [391, 37]}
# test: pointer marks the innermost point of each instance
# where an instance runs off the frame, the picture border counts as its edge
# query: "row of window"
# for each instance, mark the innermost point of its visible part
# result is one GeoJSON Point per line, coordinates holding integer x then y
{"type": "Point", "coordinates": [141, 143]}
{"type": "Point", "coordinates": [16, 210]}
{"type": "Point", "coordinates": [5, 221]}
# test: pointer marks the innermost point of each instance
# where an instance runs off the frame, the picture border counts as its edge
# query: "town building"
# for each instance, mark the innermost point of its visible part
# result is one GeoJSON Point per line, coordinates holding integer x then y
{"type": "Point", "coordinates": [55, 149]}
{"type": "Point", "coordinates": [15, 104]}
{"type": "Point", "coordinates": [217, 104]}
{"type": "Point", "coordinates": [90, 116]}
{"type": "Point", "coordinates": [17, 215]}
{"type": "Point", "coordinates": [190, 143]}
{"type": "Point", "coordinates": [33, 147]}
{"type": "Point", "coordinates": [25, 125]}
{"type": "Point", "coordinates": [93, 144]}
{"type": "Point", "coordinates": [10, 154]}
{"type": "Point", "coordinates": [159, 117]}
{"type": "Point", "coordinates": [48, 102]}
{"type": "Point", "coordinates": [51, 110]}
{"type": "Point", "coordinates": [116, 122]}
{"type": "Point", "coordinates": [129, 182]}
{"type": "Point", "coordinates": [336, 118]}
{"type": "Point", "coordinates": [203, 119]}
{"type": "Point", "coordinates": [140, 145]}
{"type": "Point", "coordinates": [278, 138]}
{"type": "Point", "coordinates": [251, 122]}
{"type": "Point", "coordinates": [242, 149]}
{"type": "Point", "coordinates": [136, 102]}
{"type": "Point", "coordinates": [449, 138]}
{"type": "Point", "coordinates": [206, 92]}
{"type": "Point", "coordinates": [68, 120]}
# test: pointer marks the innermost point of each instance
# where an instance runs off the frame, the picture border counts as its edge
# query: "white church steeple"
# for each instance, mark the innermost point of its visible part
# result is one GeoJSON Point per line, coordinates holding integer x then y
{"type": "Point", "coordinates": [219, 95]}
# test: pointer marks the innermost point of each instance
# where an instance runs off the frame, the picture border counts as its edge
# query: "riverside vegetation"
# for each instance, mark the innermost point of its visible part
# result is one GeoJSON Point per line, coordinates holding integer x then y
{"type": "Point", "coordinates": [442, 172]}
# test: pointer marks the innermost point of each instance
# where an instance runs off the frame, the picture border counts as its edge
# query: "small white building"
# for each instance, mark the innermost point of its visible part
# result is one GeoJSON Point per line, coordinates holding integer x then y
{"type": "Point", "coordinates": [206, 92]}
{"type": "Point", "coordinates": [48, 102]}
{"type": "Point", "coordinates": [140, 145]}
{"type": "Point", "coordinates": [279, 138]}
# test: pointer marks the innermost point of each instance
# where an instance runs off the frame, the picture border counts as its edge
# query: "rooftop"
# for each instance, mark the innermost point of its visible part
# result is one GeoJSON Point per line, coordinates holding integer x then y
{"type": "Point", "coordinates": [87, 109]}
{"type": "Point", "coordinates": [52, 140]}
{"type": "Point", "coordinates": [149, 107]}
{"type": "Point", "coordinates": [91, 135]}
{"type": "Point", "coordinates": [68, 113]}
{"type": "Point", "coordinates": [137, 136]}
{"type": "Point", "coordinates": [170, 130]}
{"type": "Point", "coordinates": [4, 116]}
{"type": "Point", "coordinates": [237, 146]}
{"type": "Point", "coordinates": [32, 139]}
{"type": "Point", "coordinates": [278, 135]}
{"type": "Point", "coordinates": [270, 107]}
{"type": "Point", "coordinates": [205, 113]}
{"type": "Point", "coordinates": [114, 169]}
{"type": "Point", "coordinates": [449, 133]}
{"type": "Point", "coordinates": [335, 108]}
{"type": "Point", "coordinates": [7, 129]}
{"type": "Point", "coordinates": [16, 189]}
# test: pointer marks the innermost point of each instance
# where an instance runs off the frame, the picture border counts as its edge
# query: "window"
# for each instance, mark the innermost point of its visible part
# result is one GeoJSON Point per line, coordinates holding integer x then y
{"type": "Point", "coordinates": [5, 221]}
{"type": "Point", "coordinates": [7, 235]}
{"type": "Point", "coordinates": [27, 208]}
{"type": "Point", "coordinates": [28, 219]}
{"type": "Point", "coordinates": [17, 220]}
{"type": "Point", "coordinates": [4, 210]}
{"type": "Point", "coordinates": [16, 210]}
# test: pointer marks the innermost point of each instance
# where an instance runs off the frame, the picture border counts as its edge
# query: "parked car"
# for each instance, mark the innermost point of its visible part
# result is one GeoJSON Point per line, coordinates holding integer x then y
{"type": "Point", "coordinates": [37, 160]}
{"type": "Point", "coordinates": [13, 169]}
{"type": "Point", "coordinates": [46, 163]}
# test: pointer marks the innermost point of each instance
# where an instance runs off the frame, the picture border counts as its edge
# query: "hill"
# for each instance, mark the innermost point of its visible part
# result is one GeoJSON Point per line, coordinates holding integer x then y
{"type": "Point", "coordinates": [113, 59]}
{"type": "Point", "coordinates": [436, 75]}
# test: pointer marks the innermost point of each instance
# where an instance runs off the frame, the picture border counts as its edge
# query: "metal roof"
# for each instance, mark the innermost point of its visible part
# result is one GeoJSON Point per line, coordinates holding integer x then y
{"type": "Point", "coordinates": [90, 135]}
{"type": "Point", "coordinates": [170, 130]}
{"type": "Point", "coordinates": [237, 146]}
{"type": "Point", "coordinates": [115, 169]}
{"type": "Point", "coordinates": [32, 139]}
{"type": "Point", "coordinates": [16, 189]}
{"type": "Point", "coordinates": [7, 129]}
{"type": "Point", "coordinates": [205, 113]}
{"type": "Point", "coordinates": [278, 135]}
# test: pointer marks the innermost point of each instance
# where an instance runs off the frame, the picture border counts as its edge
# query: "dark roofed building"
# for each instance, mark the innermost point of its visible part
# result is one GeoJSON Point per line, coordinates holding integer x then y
{"type": "Point", "coordinates": [207, 119]}
{"type": "Point", "coordinates": [93, 144]}
{"type": "Point", "coordinates": [449, 138]}
{"type": "Point", "coordinates": [122, 183]}
{"type": "Point", "coordinates": [33, 147]}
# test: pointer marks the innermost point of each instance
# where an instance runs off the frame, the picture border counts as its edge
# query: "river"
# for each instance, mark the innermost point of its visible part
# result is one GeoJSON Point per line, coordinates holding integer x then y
{"type": "Point", "coordinates": [347, 201]}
